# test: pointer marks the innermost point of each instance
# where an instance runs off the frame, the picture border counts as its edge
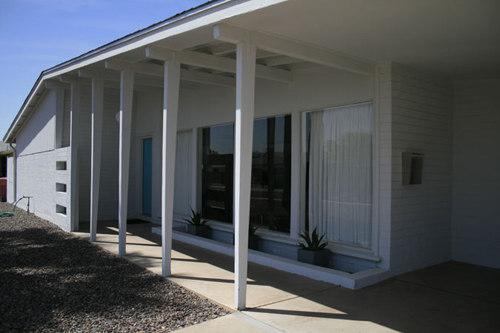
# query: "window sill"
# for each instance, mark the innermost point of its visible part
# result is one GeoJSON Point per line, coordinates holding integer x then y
{"type": "Point", "coordinates": [284, 238]}
{"type": "Point", "coordinates": [353, 251]}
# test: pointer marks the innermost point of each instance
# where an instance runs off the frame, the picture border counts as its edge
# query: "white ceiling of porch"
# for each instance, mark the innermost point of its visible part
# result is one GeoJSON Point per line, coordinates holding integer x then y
{"type": "Point", "coordinates": [452, 38]}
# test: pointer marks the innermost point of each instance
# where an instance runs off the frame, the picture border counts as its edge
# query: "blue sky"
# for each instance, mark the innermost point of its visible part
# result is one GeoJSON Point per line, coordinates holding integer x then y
{"type": "Point", "coordinates": [38, 34]}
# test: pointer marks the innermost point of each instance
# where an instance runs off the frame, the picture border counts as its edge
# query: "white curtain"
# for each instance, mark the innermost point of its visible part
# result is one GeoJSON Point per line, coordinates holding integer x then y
{"type": "Point", "coordinates": [183, 174]}
{"type": "Point", "coordinates": [340, 174]}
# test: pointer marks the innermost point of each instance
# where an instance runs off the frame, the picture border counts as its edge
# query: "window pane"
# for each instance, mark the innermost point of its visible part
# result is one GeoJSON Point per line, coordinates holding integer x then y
{"type": "Point", "coordinates": [217, 173]}
{"type": "Point", "coordinates": [339, 174]}
{"type": "Point", "coordinates": [271, 174]}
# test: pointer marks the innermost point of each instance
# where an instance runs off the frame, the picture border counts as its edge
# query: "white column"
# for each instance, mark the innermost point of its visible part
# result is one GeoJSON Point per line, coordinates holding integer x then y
{"type": "Point", "coordinates": [95, 169]}
{"type": "Point", "coordinates": [243, 140]}
{"type": "Point", "coordinates": [126, 97]}
{"type": "Point", "coordinates": [169, 138]}
{"type": "Point", "coordinates": [74, 142]}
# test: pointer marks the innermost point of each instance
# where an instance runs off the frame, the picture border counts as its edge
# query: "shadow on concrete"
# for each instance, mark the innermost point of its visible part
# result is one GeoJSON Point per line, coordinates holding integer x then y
{"type": "Point", "coordinates": [50, 279]}
{"type": "Point", "coordinates": [451, 297]}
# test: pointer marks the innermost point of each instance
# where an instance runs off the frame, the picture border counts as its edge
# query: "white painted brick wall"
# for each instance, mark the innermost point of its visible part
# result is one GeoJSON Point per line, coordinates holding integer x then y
{"type": "Point", "coordinates": [476, 162]}
{"type": "Point", "coordinates": [420, 121]}
{"type": "Point", "coordinates": [37, 179]}
{"type": "Point", "coordinates": [10, 179]}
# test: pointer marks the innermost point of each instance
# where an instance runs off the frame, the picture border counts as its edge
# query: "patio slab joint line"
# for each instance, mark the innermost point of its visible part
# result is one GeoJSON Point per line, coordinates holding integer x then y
{"type": "Point", "coordinates": [257, 323]}
{"type": "Point", "coordinates": [447, 291]}
{"type": "Point", "coordinates": [294, 297]}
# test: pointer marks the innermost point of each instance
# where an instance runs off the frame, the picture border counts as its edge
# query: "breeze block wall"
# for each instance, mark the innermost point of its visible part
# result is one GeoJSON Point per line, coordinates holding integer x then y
{"type": "Point", "coordinates": [38, 176]}
{"type": "Point", "coordinates": [421, 122]}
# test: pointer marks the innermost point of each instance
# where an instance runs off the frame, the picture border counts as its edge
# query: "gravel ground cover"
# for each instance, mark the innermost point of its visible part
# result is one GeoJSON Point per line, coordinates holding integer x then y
{"type": "Point", "coordinates": [52, 281]}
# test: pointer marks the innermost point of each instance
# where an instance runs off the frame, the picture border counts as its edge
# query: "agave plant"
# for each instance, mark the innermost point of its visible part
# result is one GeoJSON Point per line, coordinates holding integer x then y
{"type": "Point", "coordinates": [313, 242]}
{"type": "Point", "coordinates": [252, 230]}
{"type": "Point", "coordinates": [196, 218]}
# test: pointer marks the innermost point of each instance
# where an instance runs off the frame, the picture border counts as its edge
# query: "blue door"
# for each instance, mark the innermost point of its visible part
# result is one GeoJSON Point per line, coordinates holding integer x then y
{"type": "Point", "coordinates": [147, 170]}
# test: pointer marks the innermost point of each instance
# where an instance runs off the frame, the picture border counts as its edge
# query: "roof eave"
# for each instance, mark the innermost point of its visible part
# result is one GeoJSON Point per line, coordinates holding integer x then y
{"type": "Point", "coordinates": [91, 56]}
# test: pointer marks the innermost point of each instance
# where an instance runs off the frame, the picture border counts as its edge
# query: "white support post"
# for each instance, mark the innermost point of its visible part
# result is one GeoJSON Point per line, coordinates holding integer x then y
{"type": "Point", "coordinates": [74, 142]}
{"type": "Point", "coordinates": [243, 133]}
{"type": "Point", "coordinates": [95, 171]}
{"type": "Point", "coordinates": [169, 141]}
{"type": "Point", "coordinates": [126, 97]}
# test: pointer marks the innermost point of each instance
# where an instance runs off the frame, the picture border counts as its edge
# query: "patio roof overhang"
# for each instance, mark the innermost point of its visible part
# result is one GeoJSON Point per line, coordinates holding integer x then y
{"type": "Point", "coordinates": [455, 40]}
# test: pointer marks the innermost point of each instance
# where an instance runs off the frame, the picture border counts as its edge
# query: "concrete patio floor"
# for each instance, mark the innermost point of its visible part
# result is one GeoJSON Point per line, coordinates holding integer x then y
{"type": "Point", "coordinates": [451, 297]}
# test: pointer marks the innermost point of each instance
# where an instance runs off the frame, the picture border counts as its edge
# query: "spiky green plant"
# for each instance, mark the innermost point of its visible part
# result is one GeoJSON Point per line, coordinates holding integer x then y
{"type": "Point", "coordinates": [196, 218]}
{"type": "Point", "coordinates": [313, 242]}
{"type": "Point", "coordinates": [252, 230]}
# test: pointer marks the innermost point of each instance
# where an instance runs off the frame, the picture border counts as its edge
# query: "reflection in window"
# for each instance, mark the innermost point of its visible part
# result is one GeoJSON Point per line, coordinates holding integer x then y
{"type": "Point", "coordinates": [217, 173]}
{"type": "Point", "coordinates": [271, 178]}
{"type": "Point", "coordinates": [271, 173]}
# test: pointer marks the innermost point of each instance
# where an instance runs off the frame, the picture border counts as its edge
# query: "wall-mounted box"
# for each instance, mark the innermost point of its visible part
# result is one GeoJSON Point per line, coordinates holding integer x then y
{"type": "Point", "coordinates": [413, 164]}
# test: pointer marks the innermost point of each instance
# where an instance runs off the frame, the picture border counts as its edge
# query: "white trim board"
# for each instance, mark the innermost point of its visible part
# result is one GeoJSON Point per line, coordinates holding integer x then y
{"type": "Point", "coordinates": [351, 281]}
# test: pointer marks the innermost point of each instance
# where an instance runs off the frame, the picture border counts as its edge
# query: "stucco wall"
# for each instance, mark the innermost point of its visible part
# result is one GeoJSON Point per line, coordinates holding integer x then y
{"type": "Point", "coordinates": [108, 189]}
{"type": "Point", "coordinates": [476, 177]}
{"type": "Point", "coordinates": [421, 121]}
{"type": "Point", "coordinates": [38, 134]}
{"type": "Point", "coordinates": [205, 105]}
{"type": "Point", "coordinates": [84, 153]}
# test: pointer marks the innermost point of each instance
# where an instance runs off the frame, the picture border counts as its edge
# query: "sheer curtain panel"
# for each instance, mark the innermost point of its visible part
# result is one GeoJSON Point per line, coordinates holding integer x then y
{"type": "Point", "coordinates": [183, 181]}
{"type": "Point", "coordinates": [340, 174]}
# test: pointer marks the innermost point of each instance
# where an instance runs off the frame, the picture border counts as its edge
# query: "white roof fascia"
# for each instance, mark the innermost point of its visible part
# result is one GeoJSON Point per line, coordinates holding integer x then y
{"type": "Point", "coordinates": [195, 19]}
{"type": "Point", "coordinates": [208, 16]}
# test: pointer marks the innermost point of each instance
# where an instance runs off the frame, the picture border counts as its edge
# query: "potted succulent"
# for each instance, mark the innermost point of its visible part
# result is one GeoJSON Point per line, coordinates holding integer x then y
{"type": "Point", "coordinates": [197, 225]}
{"type": "Point", "coordinates": [253, 239]}
{"type": "Point", "coordinates": [312, 250]}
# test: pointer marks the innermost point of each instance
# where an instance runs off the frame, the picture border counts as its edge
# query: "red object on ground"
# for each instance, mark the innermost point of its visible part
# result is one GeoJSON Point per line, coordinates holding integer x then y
{"type": "Point", "coordinates": [3, 189]}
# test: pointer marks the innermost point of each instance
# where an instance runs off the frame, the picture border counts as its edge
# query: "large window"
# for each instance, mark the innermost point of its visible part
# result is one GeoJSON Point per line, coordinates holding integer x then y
{"type": "Point", "coordinates": [271, 180]}
{"type": "Point", "coordinates": [270, 191]}
{"type": "Point", "coordinates": [339, 174]}
{"type": "Point", "coordinates": [217, 173]}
